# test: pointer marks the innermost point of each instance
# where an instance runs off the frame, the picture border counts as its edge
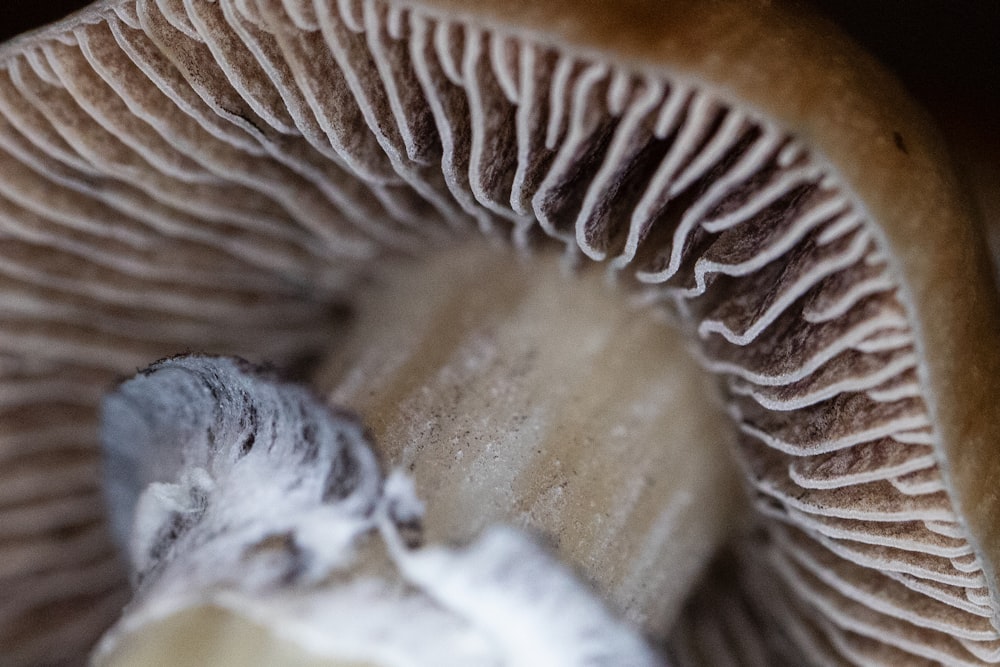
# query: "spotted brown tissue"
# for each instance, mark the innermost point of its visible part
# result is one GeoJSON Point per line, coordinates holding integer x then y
{"type": "Point", "coordinates": [180, 174]}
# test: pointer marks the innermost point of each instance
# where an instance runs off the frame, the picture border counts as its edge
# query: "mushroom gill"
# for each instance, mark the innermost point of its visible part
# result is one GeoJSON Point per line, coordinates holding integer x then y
{"type": "Point", "coordinates": [187, 174]}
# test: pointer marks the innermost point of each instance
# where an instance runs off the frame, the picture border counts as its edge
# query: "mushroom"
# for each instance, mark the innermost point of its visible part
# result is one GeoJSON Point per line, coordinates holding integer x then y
{"type": "Point", "coordinates": [225, 176]}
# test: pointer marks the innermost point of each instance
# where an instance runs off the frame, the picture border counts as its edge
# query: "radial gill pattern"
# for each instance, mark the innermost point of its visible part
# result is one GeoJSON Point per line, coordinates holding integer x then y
{"type": "Point", "coordinates": [208, 175]}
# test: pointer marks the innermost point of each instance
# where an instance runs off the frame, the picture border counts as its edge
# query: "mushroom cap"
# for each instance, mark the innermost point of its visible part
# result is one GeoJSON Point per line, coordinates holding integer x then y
{"type": "Point", "coordinates": [236, 212]}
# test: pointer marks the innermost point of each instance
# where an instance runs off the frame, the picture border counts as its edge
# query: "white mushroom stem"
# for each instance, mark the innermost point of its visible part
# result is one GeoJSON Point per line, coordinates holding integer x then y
{"type": "Point", "coordinates": [258, 515]}
{"type": "Point", "coordinates": [515, 390]}
{"type": "Point", "coordinates": [525, 406]}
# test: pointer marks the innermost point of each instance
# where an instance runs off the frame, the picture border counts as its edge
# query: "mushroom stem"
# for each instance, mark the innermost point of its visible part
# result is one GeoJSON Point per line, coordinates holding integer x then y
{"type": "Point", "coordinates": [515, 390]}
{"type": "Point", "coordinates": [246, 502]}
